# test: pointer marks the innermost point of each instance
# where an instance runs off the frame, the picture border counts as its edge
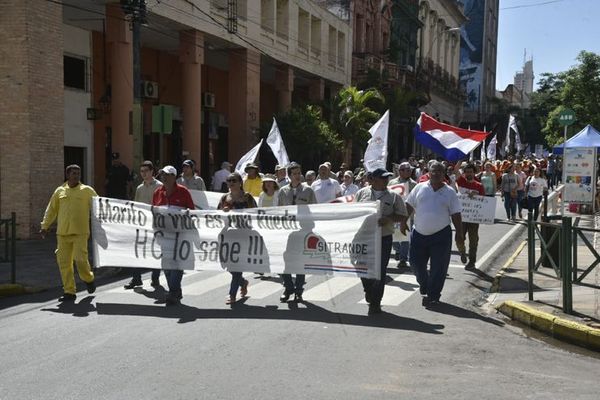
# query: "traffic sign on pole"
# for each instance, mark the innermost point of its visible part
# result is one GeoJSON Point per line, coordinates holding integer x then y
{"type": "Point", "coordinates": [566, 117]}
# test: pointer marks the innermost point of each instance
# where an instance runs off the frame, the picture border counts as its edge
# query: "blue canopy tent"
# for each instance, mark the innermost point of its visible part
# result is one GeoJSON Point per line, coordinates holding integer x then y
{"type": "Point", "coordinates": [587, 137]}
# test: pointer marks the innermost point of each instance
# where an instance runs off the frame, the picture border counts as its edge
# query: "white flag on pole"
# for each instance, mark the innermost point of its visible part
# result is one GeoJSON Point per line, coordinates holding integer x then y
{"type": "Point", "coordinates": [491, 149]}
{"type": "Point", "coordinates": [376, 153]}
{"type": "Point", "coordinates": [482, 154]}
{"type": "Point", "coordinates": [248, 158]}
{"type": "Point", "coordinates": [507, 141]}
{"type": "Point", "coordinates": [512, 124]}
{"type": "Point", "coordinates": [275, 142]}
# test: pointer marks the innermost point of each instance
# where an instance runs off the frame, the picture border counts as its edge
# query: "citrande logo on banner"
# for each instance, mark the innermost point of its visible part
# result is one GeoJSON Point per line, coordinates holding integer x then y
{"type": "Point", "coordinates": [319, 238]}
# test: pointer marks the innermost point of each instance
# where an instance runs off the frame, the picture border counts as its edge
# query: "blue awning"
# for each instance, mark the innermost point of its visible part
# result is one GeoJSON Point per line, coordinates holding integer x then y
{"type": "Point", "coordinates": [587, 137]}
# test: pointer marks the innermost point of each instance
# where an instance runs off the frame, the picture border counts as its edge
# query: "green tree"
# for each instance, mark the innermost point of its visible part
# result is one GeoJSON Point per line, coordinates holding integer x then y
{"type": "Point", "coordinates": [308, 139]}
{"type": "Point", "coordinates": [577, 88]}
{"type": "Point", "coordinates": [355, 114]}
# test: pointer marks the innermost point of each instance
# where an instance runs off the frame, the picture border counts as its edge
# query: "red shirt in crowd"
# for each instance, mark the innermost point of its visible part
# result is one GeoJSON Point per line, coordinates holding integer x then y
{"type": "Point", "coordinates": [473, 185]}
{"type": "Point", "coordinates": [180, 197]}
{"type": "Point", "coordinates": [425, 178]}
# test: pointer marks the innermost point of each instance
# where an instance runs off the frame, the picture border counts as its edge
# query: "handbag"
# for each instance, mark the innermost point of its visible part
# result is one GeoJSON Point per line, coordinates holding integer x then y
{"type": "Point", "coordinates": [524, 203]}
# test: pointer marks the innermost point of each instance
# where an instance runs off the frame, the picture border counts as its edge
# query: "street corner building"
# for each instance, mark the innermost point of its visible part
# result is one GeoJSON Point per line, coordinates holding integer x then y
{"type": "Point", "coordinates": [206, 74]}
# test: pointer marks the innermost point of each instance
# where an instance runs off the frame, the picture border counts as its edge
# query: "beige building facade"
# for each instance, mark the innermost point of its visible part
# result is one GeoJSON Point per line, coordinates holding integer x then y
{"type": "Point", "coordinates": [439, 53]}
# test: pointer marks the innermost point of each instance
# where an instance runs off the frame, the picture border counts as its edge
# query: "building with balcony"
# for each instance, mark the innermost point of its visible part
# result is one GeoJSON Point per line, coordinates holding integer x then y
{"type": "Point", "coordinates": [439, 53]}
{"type": "Point", "coordinates": [479, 39]}
{"type": "Point", "coordinates": [211, 72]}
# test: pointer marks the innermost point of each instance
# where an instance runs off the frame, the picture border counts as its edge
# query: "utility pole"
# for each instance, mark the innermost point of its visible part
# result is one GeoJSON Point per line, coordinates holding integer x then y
{"type": "Point", "coordinates": [135, 10]}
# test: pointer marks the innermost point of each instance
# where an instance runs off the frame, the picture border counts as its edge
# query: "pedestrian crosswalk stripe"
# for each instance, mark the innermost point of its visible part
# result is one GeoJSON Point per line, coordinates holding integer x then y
{"type": "Point", "coordinates": [395, 295]}
{"type": "Point", "coordinates": [330, 288]}
{"type": "Point", "coordinates": [162, 280]}
{"type": "Point", "coordinates": [206, 285]}
{"type": "Point", "coordinates": [264, 289]}
{"type": "Point", "coordinates": [325, 289]}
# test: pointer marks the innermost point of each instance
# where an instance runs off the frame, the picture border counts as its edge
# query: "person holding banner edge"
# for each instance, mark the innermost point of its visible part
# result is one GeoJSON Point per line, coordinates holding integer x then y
{"type": "Point", "coordinates": [143, 194]}
{"type": "Point", "coordinates": [172, 194]}
{"type": "Point", "coordinates": [236, 199]}
{"type": "Point", "coordinates": [70, 207]}
{"type": "Point", "coordinates": [467, 184]}
{"type": "Point", "coordinates": [393, 210]}
{"type": "Point", "coordinates": [294, 193]}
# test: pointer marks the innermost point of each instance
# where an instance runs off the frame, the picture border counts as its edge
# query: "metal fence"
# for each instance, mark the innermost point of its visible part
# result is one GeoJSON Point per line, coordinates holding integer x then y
{"type": "Point", "coordinates": [8, 244]}
{"type": "Point", "coordinates": [558, 242]}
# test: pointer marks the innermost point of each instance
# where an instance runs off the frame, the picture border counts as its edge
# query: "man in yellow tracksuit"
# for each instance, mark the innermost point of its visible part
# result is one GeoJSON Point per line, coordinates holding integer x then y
{"type": "Point", "coordinates": [70, 206]}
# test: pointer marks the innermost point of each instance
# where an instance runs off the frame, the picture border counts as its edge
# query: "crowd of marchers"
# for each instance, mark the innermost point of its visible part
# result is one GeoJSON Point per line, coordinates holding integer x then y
{"type": "Point", "coordinates": [415, 226]}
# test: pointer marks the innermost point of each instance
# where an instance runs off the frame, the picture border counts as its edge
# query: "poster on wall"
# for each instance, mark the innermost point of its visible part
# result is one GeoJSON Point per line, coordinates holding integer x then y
{"type": "Point", "coordinates": [579, 175]}
{"type": "Point", "coordinates": [471, 53]}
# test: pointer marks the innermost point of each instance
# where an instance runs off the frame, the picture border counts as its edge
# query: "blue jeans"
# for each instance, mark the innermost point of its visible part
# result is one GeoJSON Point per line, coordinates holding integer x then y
{"type": "Point", "coordinates": [510, 205]}
{"type": "Point", "coordinates": [550, 177]}
{"type": "Point", "coordinates": [534, 205]}
{"type": "Point", "coordinates": [401, 249]}
{"type": "Point", "coordinates": [435, 247]}
{"type": "Point", "coordinates": [289, 285]}
{"type": "Point", "coordinates": [374, 288]}
{"type": "Point", "coordinates": [236, 281]}
{"type": "Point", "coordinates": [174, 277]}
{"type": "Point", "coordinates": [520, 196]}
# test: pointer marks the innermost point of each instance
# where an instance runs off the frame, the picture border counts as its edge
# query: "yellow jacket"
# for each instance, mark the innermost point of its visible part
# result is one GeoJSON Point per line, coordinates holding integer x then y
{"type": "Point", "coordinates": [71, 207]}
{"type": "Point", "coordinates": [253, 186]}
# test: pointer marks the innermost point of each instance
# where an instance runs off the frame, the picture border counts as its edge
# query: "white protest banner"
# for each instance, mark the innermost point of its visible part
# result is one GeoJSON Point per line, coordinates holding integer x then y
{"type": "Point", "coordinates": [478, 209]}
{"type": "Point", "coordinates": [275, 142]}
{"type": "Point", "coordinates": [580, 174]}
{"type": "Point", "coordinates": [248, 158]}
{"type": "Point", "coordinates": [204, 200]}
{"type": "Point", "coordinates": [376, 152]}
{"type": "Point", "coordinates": [336, 239]}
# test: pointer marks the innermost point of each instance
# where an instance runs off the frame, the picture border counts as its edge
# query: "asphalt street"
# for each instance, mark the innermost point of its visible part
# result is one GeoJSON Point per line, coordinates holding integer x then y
{"type": "Point", "coordinates": [118, 344]}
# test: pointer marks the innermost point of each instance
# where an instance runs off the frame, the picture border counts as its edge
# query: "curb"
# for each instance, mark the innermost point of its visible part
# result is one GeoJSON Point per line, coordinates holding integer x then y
{"type": "Point", "coordinates": [508, 263]}
{"type": "Point", "coordinates": [552, 325]}
{"type": "Point", "coordinates": [16, 289]}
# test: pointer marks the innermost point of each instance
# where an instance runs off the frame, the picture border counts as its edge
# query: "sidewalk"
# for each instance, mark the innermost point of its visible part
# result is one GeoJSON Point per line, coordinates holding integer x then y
{"type": "Point", "coordinates": [510, 296]}
{"type": "Point", "coordinates": [37, 269]}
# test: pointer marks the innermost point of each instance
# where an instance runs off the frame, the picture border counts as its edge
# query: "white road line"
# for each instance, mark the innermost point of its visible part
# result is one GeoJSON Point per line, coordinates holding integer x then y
{"type": "Point", "coordinates": [206, 285]}
{"type": "Point", "coordinates": [162, 279]}
{"type": "Point", "coordinates": [394, 295]}
{"type": "Point", "coordinates": [263, 289]}
{"type": "Point", "coordinates": [481, 262]}
{"type": "Point", "coordinates": [330, 288]}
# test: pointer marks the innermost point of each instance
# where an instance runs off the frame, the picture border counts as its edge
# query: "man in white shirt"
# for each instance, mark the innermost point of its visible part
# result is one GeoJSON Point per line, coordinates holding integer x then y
{"type": "Point", "coordinates": [326, 189]}
{"type": "Point", "coordinates": [435, 204]}
{"type": "Point", "coordinates": [219, 183]}
{"type": "Point", "coordinates": [348, 188]}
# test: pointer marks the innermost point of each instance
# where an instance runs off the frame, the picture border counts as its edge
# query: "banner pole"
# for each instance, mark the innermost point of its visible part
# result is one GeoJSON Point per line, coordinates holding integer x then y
{"type": "Point", "coordinates": [564, 172]}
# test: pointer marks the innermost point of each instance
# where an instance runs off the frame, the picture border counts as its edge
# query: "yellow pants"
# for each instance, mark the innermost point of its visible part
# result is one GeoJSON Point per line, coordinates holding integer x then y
{"type": "Point", "coordinates": [69, 248]}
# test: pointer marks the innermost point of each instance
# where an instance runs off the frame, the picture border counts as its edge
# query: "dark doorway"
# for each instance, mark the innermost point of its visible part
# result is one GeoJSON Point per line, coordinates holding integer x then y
{"type": "Point", "coordinates": [76, 155]}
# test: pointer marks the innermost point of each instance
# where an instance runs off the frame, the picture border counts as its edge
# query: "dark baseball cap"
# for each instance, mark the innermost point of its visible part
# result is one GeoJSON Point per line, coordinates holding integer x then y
{"type": "Point", "coordinates": [381, 173]}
